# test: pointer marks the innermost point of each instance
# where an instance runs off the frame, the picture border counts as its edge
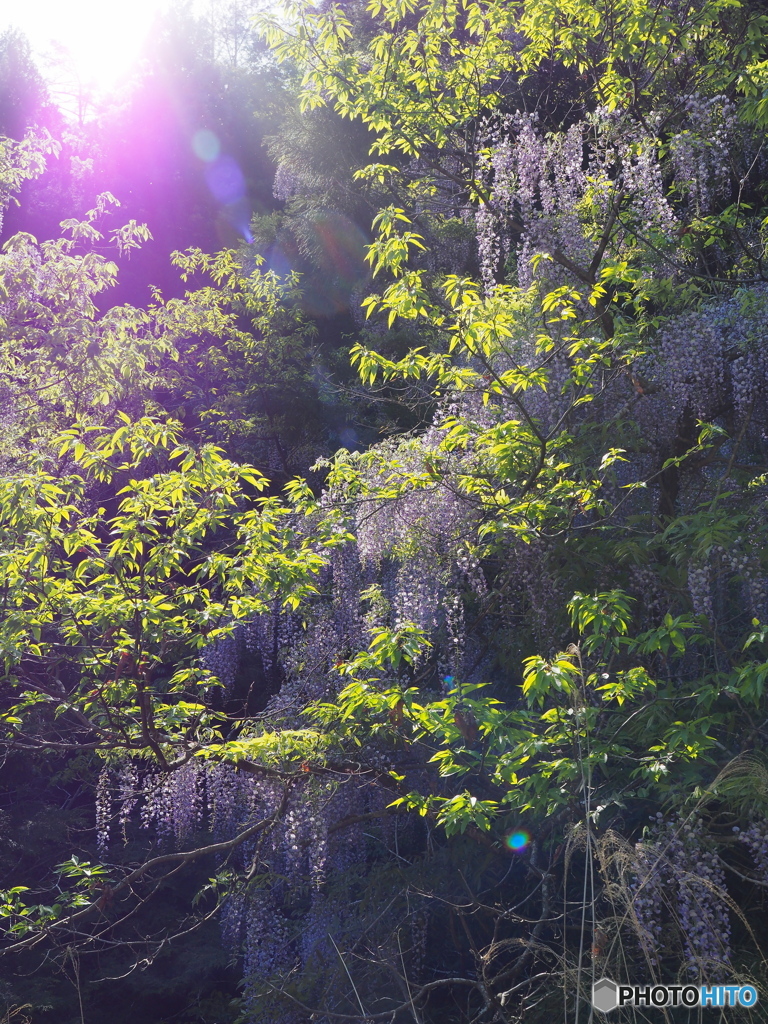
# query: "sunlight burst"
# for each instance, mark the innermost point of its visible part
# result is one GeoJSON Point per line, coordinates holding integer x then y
{"type": "Point", "coordinates": [87, 44]}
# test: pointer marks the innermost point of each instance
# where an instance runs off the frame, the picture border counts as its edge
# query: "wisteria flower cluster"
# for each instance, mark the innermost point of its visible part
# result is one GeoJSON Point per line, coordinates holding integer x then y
{"type": "Point", "coordinates": [679, 875]}
{"type": "Point", "coordinates": [755, 838]}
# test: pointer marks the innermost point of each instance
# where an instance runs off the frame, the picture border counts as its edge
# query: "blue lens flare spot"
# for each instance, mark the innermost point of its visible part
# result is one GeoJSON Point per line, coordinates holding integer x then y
{"type": "Point", "coordinates": [518, 841]}
{"type": "Point", "coordinates": [206, 145]}
{"type": "Point", "coordinates": [225, 180]}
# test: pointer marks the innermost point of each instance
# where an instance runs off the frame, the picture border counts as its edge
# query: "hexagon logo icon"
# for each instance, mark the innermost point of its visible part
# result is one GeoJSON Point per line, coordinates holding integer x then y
{"type": "Point", "coordinates": [605, 995]}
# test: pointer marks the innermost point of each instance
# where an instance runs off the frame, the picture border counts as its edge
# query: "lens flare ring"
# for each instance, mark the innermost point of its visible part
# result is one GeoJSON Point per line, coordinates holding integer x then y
{"type": "Point", "coordinates": [517, 841]}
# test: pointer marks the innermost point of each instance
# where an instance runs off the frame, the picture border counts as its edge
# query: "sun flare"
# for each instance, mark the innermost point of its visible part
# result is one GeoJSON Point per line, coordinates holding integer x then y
{"type": "Point", "coordinates": [90, 42]}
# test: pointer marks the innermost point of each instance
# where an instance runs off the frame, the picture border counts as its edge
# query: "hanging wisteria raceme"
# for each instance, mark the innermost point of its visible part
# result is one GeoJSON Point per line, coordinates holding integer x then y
{"type": "Point", "coordinates": [304, 650]}
{"type": "Point", "coordinates": [103, 810]}
{"type": "Point", "coordinates": [755, 838]}
{"type": "Point", "coordinates": [646, 889]}
{"type": "Point", "coordinates": [692, 351]}
{"type": "Point", "coordinates": [701, 152]}
{"type": "Point", "coordinates": [643, 179]}
{"type": "Point", "coordinates": [173, 802]}
{"type": "Point", "coordinates": [700, 588]}
{"type": "Point", "coordinates": [186, 795]}
{"type": "Point", "coordinates": [297, 881]}
{"type": "Point", "coordinates": [432, 515]}
{"type": "Point", "coordinates": [679, 874]}
{"type": "Point", "coordinates": [702, 908]}
{"type": "Point", "coordinates": [536, 182]}
{"type": "Point", "coordinates": [221, 660]}
{"type": "Point", "coordinates": [128, 794]}
{"type": "Point", "coordinates": [230, 799]}
{"type": "Point", "coordinates": [688, 372]}
{"type": "Point", "coordinates": [710, 362]}
{"type": "Point", "coordinates": [300, 907]}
